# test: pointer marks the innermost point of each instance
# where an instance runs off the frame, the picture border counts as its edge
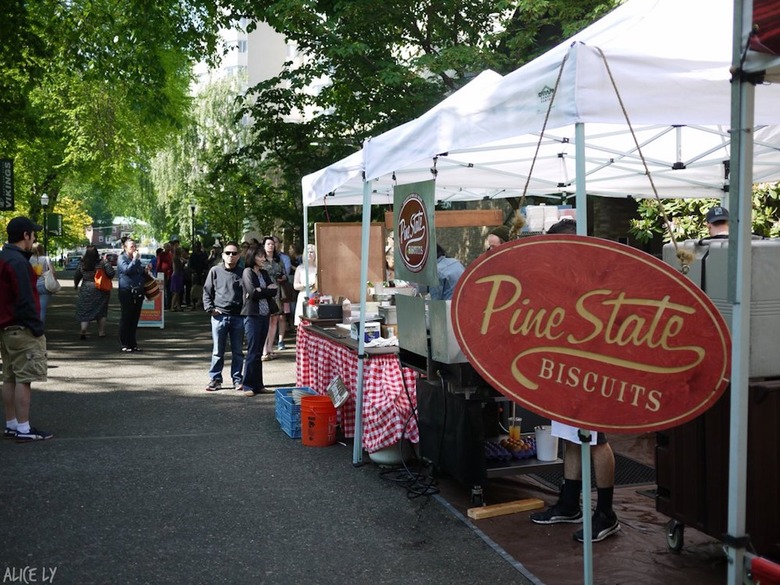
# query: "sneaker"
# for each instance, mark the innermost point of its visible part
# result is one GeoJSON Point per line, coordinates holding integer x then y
{"type": "Point", "coordinates": [557, 515]}
{"type": "Point", "coordinates": [280, 346]}
{"type": "Point", "coordinates": [603, 525]}
{"type": "Point", "coordinates": [262, 390]}
{"type": "Point", "coordinates": [32, 435]}
{"type": "Point", "coordinates": [9, 433]}
{"type": "Point", "coordinates": [238, 387]}
{"type": "Point", "coordinates": [213, 386]}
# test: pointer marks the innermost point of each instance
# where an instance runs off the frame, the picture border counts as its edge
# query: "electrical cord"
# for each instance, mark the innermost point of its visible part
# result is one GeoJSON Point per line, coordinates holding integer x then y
{"type": "Point", "coordinates": [416, 482]}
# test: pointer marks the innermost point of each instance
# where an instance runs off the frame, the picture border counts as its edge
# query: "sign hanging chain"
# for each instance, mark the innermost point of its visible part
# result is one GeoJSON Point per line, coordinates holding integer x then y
{"type": "Point", "coordinates": [519, 222]}
{"type": "Point", "coordinates": [684, 257]}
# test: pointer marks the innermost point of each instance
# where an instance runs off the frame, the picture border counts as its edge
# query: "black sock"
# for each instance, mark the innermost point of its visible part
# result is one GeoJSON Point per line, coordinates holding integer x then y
{"type": "Point", "coordinates": [604, 501]}
{"type": "Point", "coordinates": [570, 494]}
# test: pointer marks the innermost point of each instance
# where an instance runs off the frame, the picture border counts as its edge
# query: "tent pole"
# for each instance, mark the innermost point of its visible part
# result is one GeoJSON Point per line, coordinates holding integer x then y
{"type": "Point", "coordinates": [305, 254]}
{"type": "Point", "coordinates": [580, 197]}
{"type": "Point", "coordinates": [357, 449]}
{"type": "Point", "coordinates": [582, 230]}
{"type": "Point", "coordinates": [740, 260]}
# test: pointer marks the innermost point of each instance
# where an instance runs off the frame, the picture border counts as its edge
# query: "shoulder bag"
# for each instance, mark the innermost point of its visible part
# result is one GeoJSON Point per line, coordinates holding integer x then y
{"type": "Point", "coordinates": [102, 281]}
{"type": "Point", "coordinates": [50, 281]}
{"type": "Point", "coordinates": [273, 308]}
{"type": "Point", "coordinates": [151, 287]}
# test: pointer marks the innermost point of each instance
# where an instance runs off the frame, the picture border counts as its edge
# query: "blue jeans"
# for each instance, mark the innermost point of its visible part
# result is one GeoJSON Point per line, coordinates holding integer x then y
{"type": "Point", "coordinates": [256, 327]}
{"type": "Point", "coordinates": [45, 297]}
{"type": "Point", "coordinates": [221, 327]}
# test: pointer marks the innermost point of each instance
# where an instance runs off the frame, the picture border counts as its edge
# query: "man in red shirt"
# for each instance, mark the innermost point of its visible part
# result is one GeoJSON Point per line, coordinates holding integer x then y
{"type": "Point", "coordinates": [22, 342]}
{"type": "Point", "coordinates": [165, 266]}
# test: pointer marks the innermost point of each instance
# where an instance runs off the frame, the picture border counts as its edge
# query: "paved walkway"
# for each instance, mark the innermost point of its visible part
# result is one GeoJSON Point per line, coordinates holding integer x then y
{"type": "Point", "coordinates": [150, 479]}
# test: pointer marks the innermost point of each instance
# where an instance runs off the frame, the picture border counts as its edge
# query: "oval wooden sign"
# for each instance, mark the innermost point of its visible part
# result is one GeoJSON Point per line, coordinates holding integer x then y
{"type": "Point", "coordinates": [592, 333]}
{"type": "Point", "coordinates": [414, 233]}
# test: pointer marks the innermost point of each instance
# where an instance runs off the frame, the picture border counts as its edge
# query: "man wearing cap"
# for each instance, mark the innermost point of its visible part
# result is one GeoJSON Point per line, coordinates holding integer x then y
{"type": "Point", "coordinates": [497, 236]}
{"type": "Point", "coordinates": [718, 222]}
{"type": "Point", "coordinates": [22, 342]}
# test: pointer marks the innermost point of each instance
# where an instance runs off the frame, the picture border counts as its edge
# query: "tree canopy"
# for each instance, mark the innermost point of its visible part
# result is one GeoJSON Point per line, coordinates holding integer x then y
{"type": "Point", "coordinates": [98, 109]}
{"type": "Point", "coordinates": [95, 87]}
{"type": "Point", "coordinates": [375, 65]}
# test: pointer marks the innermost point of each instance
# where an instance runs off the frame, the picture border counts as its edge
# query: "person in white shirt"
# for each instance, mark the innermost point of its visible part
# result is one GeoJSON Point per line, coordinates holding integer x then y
{"type": "Point", "coordinates": [299, 281]}
{"type": "Point", "coordinates": [41, 264]}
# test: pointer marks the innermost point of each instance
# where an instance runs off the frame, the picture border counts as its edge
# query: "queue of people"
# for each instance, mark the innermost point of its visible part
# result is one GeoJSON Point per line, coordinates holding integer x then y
{"type": "Point", "coordinates": [241, 299]}
{"type": "Point", "coordinates": [245, 295]}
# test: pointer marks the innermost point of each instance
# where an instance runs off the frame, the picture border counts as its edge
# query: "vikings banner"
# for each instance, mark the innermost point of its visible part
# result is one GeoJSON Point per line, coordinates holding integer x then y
{"type": "Point", "coordinates": [6, 185]}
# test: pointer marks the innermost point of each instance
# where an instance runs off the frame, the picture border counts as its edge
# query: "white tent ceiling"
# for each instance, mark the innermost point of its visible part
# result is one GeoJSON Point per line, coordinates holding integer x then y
{"type": "Point", "coordinates": [670, 62]}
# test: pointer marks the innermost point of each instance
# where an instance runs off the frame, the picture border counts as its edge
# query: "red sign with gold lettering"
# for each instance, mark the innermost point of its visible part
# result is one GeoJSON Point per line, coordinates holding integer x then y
{"type": "Point", "coordinates": [592, 333]}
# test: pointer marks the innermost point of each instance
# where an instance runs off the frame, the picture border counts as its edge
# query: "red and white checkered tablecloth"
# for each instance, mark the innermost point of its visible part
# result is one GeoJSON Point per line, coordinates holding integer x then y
{"type": "Point", "coordinates": [387, 405]}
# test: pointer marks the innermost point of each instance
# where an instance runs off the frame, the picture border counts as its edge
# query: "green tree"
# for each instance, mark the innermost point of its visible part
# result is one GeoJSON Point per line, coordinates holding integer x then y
{"type": "Point", "coordinates": [201, 167]}
{"type": "Point", "coordinates": [74, 221]}
{"type": "Point", "coordinates": [95, 86]}
{"type": "Point", "coordinates": [378, 64]}
{"type": "Point", "coordinates": [687, 216]}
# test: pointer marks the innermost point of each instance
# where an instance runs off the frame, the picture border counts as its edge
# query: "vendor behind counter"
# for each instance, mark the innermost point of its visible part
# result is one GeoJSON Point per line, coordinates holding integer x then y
{"type": "Point", "coordinates": [449, 271]}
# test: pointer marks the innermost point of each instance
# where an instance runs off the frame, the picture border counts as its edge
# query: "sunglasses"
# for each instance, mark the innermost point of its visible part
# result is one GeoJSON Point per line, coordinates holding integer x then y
{"type": "Point", "coordinates": [231, 253]}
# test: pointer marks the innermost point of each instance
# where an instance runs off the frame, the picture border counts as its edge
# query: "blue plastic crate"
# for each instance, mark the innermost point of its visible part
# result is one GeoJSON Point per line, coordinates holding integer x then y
{"type": "Point", "coordinates": [288, 413]}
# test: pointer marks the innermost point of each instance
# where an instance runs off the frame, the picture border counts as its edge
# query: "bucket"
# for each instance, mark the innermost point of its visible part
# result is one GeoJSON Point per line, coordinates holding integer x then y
{"type": "Point", "coordinates": [318, 421]}
{"type": "Point", "coordinates": [546, 444]}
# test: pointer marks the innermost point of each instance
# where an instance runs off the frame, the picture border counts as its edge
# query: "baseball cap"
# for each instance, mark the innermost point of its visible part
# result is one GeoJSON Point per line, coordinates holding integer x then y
{"type": "Point", "coordinates": [18, 226]}
{"type": "Point", "coordinates": [717, 214]}
{"type": "Point", "coordinates": [563, 226]}
{"type": "Point", "coordinates": [501, 232]}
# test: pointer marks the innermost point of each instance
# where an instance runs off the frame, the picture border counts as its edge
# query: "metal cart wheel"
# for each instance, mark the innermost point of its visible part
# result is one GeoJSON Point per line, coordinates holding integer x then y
{"type": "Point", "coordinates": [675, 535]}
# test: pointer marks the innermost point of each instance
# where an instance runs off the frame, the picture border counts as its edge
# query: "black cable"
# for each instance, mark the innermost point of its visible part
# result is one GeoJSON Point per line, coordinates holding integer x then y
{"type": "Point", "coordinates": [417, 483]}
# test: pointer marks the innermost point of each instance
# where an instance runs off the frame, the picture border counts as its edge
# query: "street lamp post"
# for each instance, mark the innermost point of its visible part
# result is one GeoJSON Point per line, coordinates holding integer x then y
{"type": "Point", "coordinates": [45, 206]}
{"type": "Point", "coordinates": [192, 215]}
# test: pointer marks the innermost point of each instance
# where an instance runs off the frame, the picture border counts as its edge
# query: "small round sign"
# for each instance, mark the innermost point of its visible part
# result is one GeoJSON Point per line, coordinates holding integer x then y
{"type": "Point", "coordinates": [413, 233]}
{"type": "Point", "coordinates": [592, 333]}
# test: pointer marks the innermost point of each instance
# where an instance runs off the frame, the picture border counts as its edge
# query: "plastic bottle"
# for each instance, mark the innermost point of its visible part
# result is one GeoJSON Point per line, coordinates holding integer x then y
{"type": "Point", "coordinates": [312, 308]}
{"type": "Point", "coordinates": [346, 311]}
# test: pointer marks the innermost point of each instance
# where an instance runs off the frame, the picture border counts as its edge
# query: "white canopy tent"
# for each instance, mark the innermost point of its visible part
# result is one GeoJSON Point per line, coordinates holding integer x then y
{"type": "Point", "coordinates": [670, 62]}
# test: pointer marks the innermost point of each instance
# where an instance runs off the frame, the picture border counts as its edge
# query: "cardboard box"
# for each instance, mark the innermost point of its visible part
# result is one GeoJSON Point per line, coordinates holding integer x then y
{"type": "Point", "coordinates": [389, 331]}
{"type": "Point", "coordinates": [372, 331]}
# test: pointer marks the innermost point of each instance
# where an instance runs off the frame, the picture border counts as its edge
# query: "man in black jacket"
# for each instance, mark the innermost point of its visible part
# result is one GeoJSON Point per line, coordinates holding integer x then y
{"type": "Point", "coordinates": [223, 297]}
{"type": "Point", "coordinates": [22, 342]}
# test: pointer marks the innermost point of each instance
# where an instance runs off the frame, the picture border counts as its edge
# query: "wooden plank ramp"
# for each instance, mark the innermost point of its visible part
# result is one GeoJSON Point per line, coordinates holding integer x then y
{"type": "Point", "coordinates": [505, 508]}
